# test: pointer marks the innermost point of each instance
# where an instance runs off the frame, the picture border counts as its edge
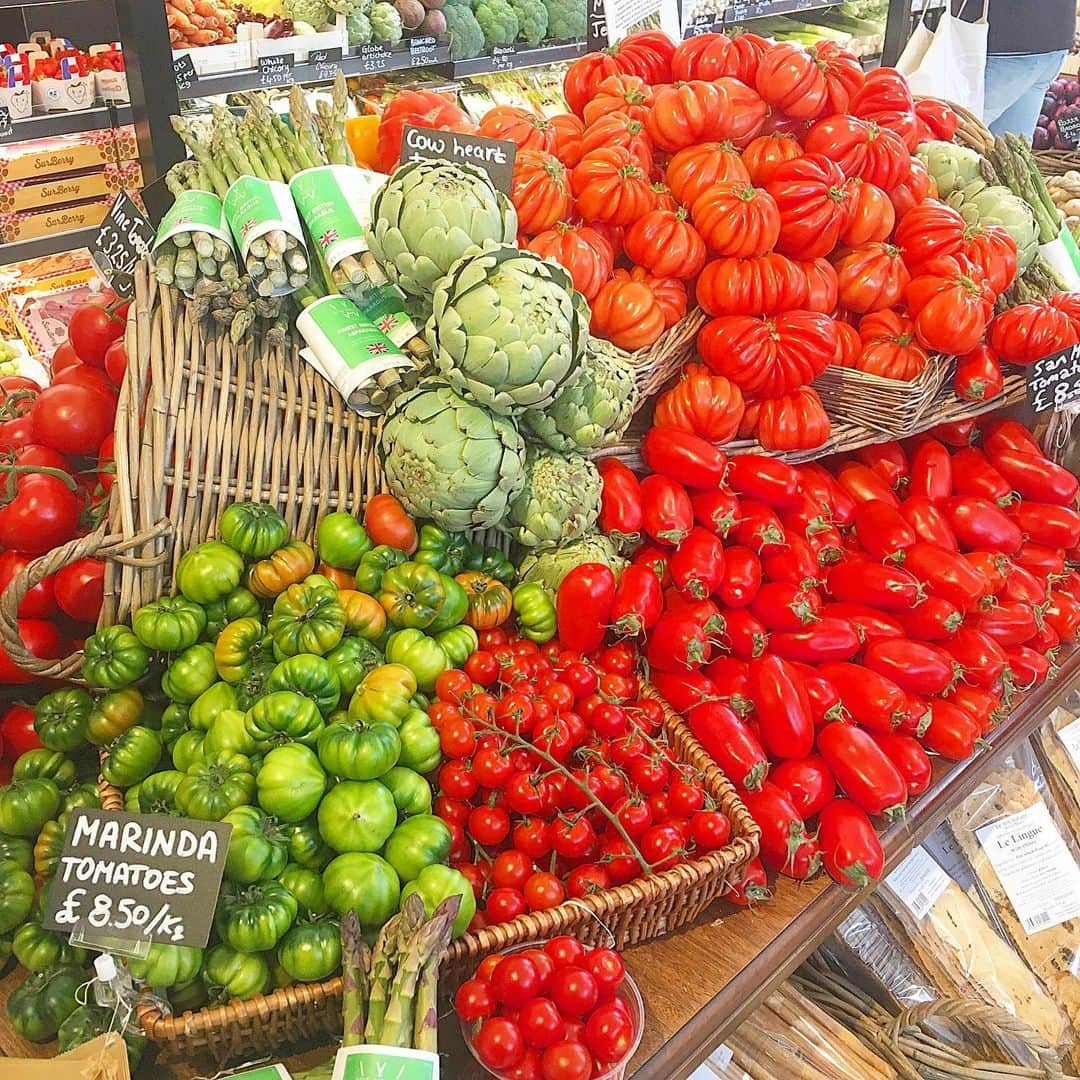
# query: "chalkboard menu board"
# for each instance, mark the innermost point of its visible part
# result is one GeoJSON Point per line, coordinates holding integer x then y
{"type": "Point", "coordinates": [138, 877]}
{"type": "Point", "coordinates": [1054, 380]}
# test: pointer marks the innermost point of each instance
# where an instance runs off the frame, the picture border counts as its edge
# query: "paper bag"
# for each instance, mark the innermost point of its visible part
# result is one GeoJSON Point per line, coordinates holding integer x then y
{"type": "Point", "coordinates": [103, 1058]}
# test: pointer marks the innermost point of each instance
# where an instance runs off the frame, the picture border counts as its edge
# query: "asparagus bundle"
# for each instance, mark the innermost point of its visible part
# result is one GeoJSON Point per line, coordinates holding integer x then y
{"type": "Point", "coordinates": [196, 256]}
{"type": "Point", "coordinates": [1013, 162]}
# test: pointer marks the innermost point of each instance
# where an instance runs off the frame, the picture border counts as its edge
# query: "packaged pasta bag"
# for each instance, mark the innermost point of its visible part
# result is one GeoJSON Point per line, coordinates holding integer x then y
{"type": "Point", "coordinates": [1057, 745]}
{"type": "Point", "coordinates": [1026, 871]}
{"type": "Point", "coordinates": [957, 949]}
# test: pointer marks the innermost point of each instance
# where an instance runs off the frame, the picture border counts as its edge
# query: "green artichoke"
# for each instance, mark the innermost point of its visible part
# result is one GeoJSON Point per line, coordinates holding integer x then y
{"type": "Point", "coordinates": [992, 204]}
{"type": "Point", "coordinates": [431, 213]}
{"type": "Point", "coordinates": [550, 567]}
{"type": "Point", "coordinates": [507, 328]}
{"type": "Point", "coordinates": [952, 166]}
{"type": "Point", "coordinates": [386, 24]}
{"type": "Point", "coordinates": [450, 460]}
{"type": "Point", "coordinates": [591, 412]}
{"type": "Point", "coordinates": [559, 501]}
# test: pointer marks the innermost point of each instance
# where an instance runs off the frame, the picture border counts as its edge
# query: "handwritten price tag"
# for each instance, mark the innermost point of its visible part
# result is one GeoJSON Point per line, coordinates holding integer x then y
{"type": "Point", "coordinates": [184, 72]}
{"type": "Point", "coordinates": [124, 238]}
{"type": "Point", "coordinates": [1054, 380]}
{"type": "Point", "coordinates": [138, 877]}
{"type": "Point", "coordinates": [276, 70]}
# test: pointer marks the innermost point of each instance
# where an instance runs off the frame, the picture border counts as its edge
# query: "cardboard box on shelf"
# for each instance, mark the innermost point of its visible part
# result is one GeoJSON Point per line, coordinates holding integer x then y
{"type": "Point", "coordinates": [16, 195]}
{"type": "Point", "coordinates": [28, 224]}
{"type": "Point", "coordinates": [125, 142]}
{"type": "Point", "coordinates": [35, 158]}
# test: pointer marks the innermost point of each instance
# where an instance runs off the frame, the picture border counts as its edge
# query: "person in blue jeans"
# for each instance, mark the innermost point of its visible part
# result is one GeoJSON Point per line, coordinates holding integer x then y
{"type": "Point", "coordinates": [1028, 43]}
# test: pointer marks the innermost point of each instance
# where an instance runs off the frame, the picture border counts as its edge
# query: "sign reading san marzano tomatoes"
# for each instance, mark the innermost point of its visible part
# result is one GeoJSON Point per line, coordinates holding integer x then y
{"type": "Point", "coordinates": [1054, 380]}
{"type": "Point", "coordinates": [138, 877]}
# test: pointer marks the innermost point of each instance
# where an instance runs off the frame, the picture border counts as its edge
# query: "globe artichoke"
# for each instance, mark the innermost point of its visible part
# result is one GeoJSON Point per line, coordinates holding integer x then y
{"type": "Point", "coordinates": [559, 501]}
{"type": "Point", "coordinates": [429, 214]}
{"type": "Point", "coordinates": [450, 460]}
{"type": "Point", "coordinates": [550, 567]}
{"type": "Point", "coordinates": [952, 166]}
{"type": "Point", "coordinates": [591, 412]}
{"type": "Point", "coordinates": [992, 204]}
{"type": "Point", "coordinates": [507, 328]}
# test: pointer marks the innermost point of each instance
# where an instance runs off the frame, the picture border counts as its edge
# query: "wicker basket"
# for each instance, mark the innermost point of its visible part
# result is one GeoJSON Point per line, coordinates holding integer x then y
{"type": "Point", "coordinates": [658, 364]}
{"type": "Point", "coordinates": [629, 914]}
{"type": "Point", "coordinates": [1057, 162]}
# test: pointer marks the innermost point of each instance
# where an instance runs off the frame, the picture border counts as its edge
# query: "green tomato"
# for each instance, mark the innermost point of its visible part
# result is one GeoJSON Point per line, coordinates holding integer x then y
{"type": "Point", "coordinates": [307, 886]}
{"type": "Point", "coordinates": [454, 606]}
{"type": "Point", "coordinates": [357, 815]}
{"type": "Point", "coordinates": [174, 722]}
{"type": "Point", "coordinates": [132, 757]}
{"type": "Point", "coordinates": [254, 529]}
{"type": "Point", "coordinates": [420, 745]}
{"type": "Point", "coordinates": [88, 1022]}
{"type": "Point", "coordinates": [44, 1000]}
{"type": "Point", "coordinates": [233, 975]}
{"type": "Point", "coordinates": [229, 734]}
{"type": "Point", "coordinates": [494, 563]}
{"type": "Point", "coordinates": [374, 564]}
{"type": "Point", "coordinates": [441, 549]}
{"type": "Point", "coordinates": [254, 918]}
{"type": "Point", "coordinates": [342, 541]}
{"type": "Point", "coordinates": [284, 716]}
{"type": "Point", "coordinates": [352, 660]}
{"type": "Point", "coordinates": [188, 749]}
{"type": "Point", "coordinates": [166, 965]}
{"type": "Point", "coordinates": [365, 884]}
{"type": "Point", "coordinates": [213, 787]}
{"type": "Point", "coordinates": [239, 604]}
{"type": "Point", "coordinates": [459, 643]}
{"type": "Point", "coordinates": [157, 793]}
{"type": "Point", "coordinates": [169, 624]}
{"type": "Point", "coordinates": [383, 695]}
{"type": "Point", "coordinates": [412, 594]}
{"type": "Point", "coordinates": [434, 884]}
{"type": "Point", "coordinates": [47, 764]}
{"type": "Point", "coordinates": [356, 751]}
{"type": "Point", "coordinates": [17, 849]}
{"type": "Point", "coordinates": [189, 996]}
{"type": "Point", "coordinates": [37, 948]}
{"type": "Point", "coordinates": [310, 676]}
{"type": "Point", "coordinates": [534, 607]}
{"type": "Point", "coordinates": [210, 704]}
{"type": "Point", "coordinates": [239, 647]}
{"type": "Point", "coordinates": [411, 792]}
{"type": "Point", "coordinates": [49, 845]}
{"type": "Point", "coordinates": [258, 846]}
{"type": "Point", "coordinates": [16, 896]}
{"type": "Point", "coordinates": [114, 658]}
{"type": "Point", "coordinates": [306, 846]}
{"type": "Point", "coordinates": [113, 714]}
{"type": "Point", "coordinates": [190, 674]}
{"type": "Point", "coordinates": [131, 800]}
{"type": "Point", "coordinates": [83, 794]}
{"type": "Point", "coordinates": [416, 843]}
{"type": "Point", "coordinates": [209, 572]}
{"type": "Point", "coordinates": [25, 806]}
{"type": "Point", "coordinates": [311, 950]}
{"type": "Point", "coordinates": [60, 719]}
{"type": "Point", "coordinates": [291, 782]}
{"type": "Point", "coordinates": [255, 685]}
{"type": "Point", "coordinates": [307, 619]}
{"type": "Point", "coordinates": [422, 655]}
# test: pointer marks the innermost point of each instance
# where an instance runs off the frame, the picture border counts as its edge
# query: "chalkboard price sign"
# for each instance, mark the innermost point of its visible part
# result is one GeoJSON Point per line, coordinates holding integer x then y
{"type": "Point", "coordinates": [7, 128]}
{"type": "Point", "coordinates": [1054, 380]}
{"type": "Point", "coordinates": [184, 72]}
{"type": "Point", "coordinates": [124, 238]}
{"type": "Point", "coordinates": [276, 70]}
{"type": "Point", "coordinates": [1068, 128]}
{"type": "Point", "coordinates": [138, 877]}
{"type": "Point", "coordinates": [494, 156]}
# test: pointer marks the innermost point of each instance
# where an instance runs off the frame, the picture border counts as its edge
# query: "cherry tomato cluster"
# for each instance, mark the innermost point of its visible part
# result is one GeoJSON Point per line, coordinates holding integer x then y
{"type": "Point", "coordinates": [559, 780]}
{"type": "Point", "coordinates": [556, 1012]}
{"type": "Point", "coordinates": [56, 457]}
{"type": "Point", "coordinates": [825, 628]}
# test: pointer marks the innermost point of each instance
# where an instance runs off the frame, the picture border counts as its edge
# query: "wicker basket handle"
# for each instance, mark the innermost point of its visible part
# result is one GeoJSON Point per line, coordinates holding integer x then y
{"type": "Point", "coordinates": [990, 1017]}
{"type": "Point", "coordinates": [99, 545]}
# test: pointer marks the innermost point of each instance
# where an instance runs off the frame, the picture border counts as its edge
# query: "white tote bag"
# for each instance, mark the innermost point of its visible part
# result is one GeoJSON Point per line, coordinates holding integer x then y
{"type": "Point", "coordinates": [917, 44]}
{"type": "Point", "coordinates": [954, 64]}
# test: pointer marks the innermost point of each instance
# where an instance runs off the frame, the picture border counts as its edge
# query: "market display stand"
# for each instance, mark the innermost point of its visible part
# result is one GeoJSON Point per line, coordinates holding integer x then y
{"type": "Point", "coordinates": [698, 984]}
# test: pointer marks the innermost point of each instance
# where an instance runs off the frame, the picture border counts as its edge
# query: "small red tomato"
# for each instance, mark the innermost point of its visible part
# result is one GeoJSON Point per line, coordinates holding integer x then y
{"type": "Point", "coordinates": [504, 905]}
{"type": "Point", "coordinates": [575, 990]}
{"type": "Point", "coordinates": [474, 1001]}
{"type": "Point", "coordinates": [499, 1043]}
{"type": "Point", "coordinates": [710, 829]}
{"type": "Point", "coordinates": [515, 981]}
{"type": "Point", "coordinates": [543, 891]}
{"type": "Point", "coordinates": [607, 968]}
{"type": "Point", "coordinates": [609, 1034]}
{"type": "Point", "coordinates": [541, 1022]}
{"type": "Point", "coordinates": [567, 1060]}
{"type": "Point", "coordinates": [565, 950]}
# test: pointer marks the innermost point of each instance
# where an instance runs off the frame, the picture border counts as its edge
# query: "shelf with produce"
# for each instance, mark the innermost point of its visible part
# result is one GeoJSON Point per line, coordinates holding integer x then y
{"type": "Point", "coordinates": [46, 125]}
{"type": "Point", "coordinates": [710, 22]}
{"type": "Point", "coordinates": [512, 57]}
{"type": "Point", "coordinates": [371, 60]}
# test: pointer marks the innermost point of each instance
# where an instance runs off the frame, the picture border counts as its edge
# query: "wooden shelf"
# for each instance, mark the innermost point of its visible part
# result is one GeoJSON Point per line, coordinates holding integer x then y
{"type": "Point", "coordinates": [699, 983]}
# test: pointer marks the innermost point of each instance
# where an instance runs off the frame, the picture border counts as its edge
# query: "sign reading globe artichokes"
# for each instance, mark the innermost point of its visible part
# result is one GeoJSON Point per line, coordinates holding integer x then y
{"type": "Point", "coordinates": [517, 392]}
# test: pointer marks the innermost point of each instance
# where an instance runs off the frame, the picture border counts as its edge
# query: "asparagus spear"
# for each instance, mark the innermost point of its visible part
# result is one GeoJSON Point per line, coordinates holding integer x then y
{"type": "Point", "coordinates": [354, 960]}
{"type": "Point", "coordinates": [202, 155]}
{"type": "Point", "coordinates": [426, 1027]}
{"type": "Point", "coordinates": [379, 977]}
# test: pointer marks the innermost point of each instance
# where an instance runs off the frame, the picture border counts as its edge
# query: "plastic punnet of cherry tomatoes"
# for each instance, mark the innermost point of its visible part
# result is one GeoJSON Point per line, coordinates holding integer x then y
{"type": "Point", "coordinates": [560, 1011]}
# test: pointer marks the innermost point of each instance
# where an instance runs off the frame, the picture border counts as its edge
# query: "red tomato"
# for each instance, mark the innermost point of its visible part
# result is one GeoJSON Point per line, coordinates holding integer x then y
{"type": "Point", "coordinates": [43, 513]}
{"type": "Point", "coordinates": [90, 377]}
{"type": "Point", "coordinates": [116, 361]}
{"type": "Point", "coordinates": [763, 479]}
{"type": "Point", "coordinates": [931, 471]}
{"type": "Point", "coordinates": [910, 759]}
{"type": "Point", "coordinates": [873, 700]}
{"type": "Point", "coordinates": [952, 732]}
{"type": "Point", "coordinates": [567, 1061]}
{"type": "Point", "coordinates": [882, 531]}
{"type": "Point", "coordinates": [620, 499]}
{"type": "Point", "coordinates": [93, 328]}
{"type": "Point", "coordinates": [807, 781]}
{"type": "Point", "coordinates": [474, 1001]}
{"type": "Point", "coordinates": [584, 605]}
{"type": "Point", "coordinates": [781, 708]}
{"type": "Point", "coordinates": [609, 1034]}
{"type": "Point", "coordinates": [697, 566]}
{"type": "Point", "coordinates": [72, 419]}
{"type": "Point", "coordinates": [862, 770]}
{"type": "Point", "coordinates": [785, 845]}
{"type": "Point", "coordinates": [948, 574]}
{"type": "Point", "coordinates": [935, 619]}
{"type": "Point", "coordinates": [890, 588]}
{"type": "Point", "coordinates": [850, 847]}
{"type": "Point", "coordinates": [730, 743]}
{"type": "Point", "coordinates": [40, 601]}
{"type": "Point", "coordinates": [63, 358]}
{"type": "Point", "coordinates": [928, 522]}
{"type": "Point", "coordinates": [42, 639]}
{"type": "Point", "coordinates": [678, 643]}
{"type": "Point", "coordinates": [742, 577]}
{"type": "Point", "coordinates": [80, 587]}
{"type": "Point", "coordinates": [17, 732]}
{"type": "Point", "coordinates": [915, 667]}
{"type": "Point", "coordinates": [1046, 524]}
{"type": "Point", "coordinates": [752, 887]}
{"type": "Point", "coordinates": [980, 657]}
{"type": "Point", "coordinates": [668, 511]}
